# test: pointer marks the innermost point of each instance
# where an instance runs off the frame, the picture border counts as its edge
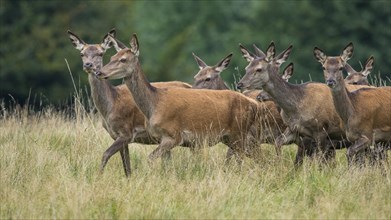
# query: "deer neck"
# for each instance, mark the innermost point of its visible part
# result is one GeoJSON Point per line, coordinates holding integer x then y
{"type": "Point", "coordinates": [221, 85]}
{"type": "Point", "coordinates": [283, 93]}
{"type": "Point", "coordinates": [342, 102]}
{"type": "Point", "coordinates": [144, 94]}
{"type": "Point", "coordinates": [102, 94]}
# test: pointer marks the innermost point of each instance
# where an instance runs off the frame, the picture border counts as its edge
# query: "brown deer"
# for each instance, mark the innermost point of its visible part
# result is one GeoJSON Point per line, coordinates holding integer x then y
{"type": "Point", "coordinates": [359, 77]}
{"type": "Point", "coordinates": [121, 117]}
{"type": "Point", "coordinates": [307, 109]}
{"type": "Point", "coordinates": [208, 77]}
{"type": "Point", "coordinates": [365, 113]}
{"type": "Point", "coordinates": [269, 124]}
{"type": "Point", "coordinates": [177, 115]}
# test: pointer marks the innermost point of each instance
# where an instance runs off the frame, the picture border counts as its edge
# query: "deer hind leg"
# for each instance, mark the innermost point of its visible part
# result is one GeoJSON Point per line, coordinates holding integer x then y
{"type": "Point", "coordinates": [235, 148]}
{"type": "Point", "coordinates": [165, 146]}
{"type": "Point", "coordinates": [119, 144]}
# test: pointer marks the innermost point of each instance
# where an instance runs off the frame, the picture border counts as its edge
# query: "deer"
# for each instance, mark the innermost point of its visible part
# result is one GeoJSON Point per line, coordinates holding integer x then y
{"type": "Point", "coordinates": [365, 113]}
{"type": "Point", "coordinates": [122, 119]}
{"type": "Point", "coordinates": [270, 122]}
{"type": "Point", "coordinates": [307, 108]}
{"type": "Point", "coordinates": [359, 77]}
{"type": "Point", "coordinates": [176, 115]}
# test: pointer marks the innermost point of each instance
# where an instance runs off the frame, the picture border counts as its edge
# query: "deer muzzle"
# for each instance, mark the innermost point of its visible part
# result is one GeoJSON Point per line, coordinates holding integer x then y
{"type": "Point", "coordinates": [100, 75]}
{"type": "Point", "coordinates": [331, 83]}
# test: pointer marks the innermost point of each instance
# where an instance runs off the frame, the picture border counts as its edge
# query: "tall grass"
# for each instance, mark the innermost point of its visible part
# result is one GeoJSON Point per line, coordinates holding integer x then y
{"type": "Point", "coordinates": [50, 169]}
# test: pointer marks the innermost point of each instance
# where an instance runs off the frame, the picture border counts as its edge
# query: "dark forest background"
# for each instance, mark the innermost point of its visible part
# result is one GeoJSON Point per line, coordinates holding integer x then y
{"type": "Point", "coordinates": [35, 44]}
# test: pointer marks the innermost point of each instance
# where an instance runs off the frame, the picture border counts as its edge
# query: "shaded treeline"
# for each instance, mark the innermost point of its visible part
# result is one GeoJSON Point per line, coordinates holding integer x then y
{"type": "Point", "coordinates": [34, 43]}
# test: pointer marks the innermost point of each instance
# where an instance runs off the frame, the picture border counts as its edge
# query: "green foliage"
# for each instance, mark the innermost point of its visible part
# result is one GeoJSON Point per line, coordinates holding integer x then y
{"type": "Point", "coordinates": [34, 42]}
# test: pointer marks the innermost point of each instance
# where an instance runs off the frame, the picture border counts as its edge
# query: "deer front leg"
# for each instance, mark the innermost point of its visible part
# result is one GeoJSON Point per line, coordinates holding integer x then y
{"type": "Point", "coordinates": [118, 144]}
{"type": "Point", "coordinates": [305, 147]}
{"type": "Point", "coordinates": [360, 144]}
{"type": "Point", "coordinates": [126, 160]}
{"type": "Point", "coordinates": [166, 144]}
{"type": "Point", "coordinates": [285, 138]}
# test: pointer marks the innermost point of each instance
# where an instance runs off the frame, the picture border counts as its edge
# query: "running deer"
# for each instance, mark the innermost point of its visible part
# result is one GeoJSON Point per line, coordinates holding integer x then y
{"type": "Point", "coordinates": [365, 113]}
{"type": "Point", "coordinates": [269, 124]}
{"type": "Point", "coordinates": [307, 109]}
{"type": "Point", "coordinates": [177, 115]}
{"type": "Point", "coordinates": [121, 117]}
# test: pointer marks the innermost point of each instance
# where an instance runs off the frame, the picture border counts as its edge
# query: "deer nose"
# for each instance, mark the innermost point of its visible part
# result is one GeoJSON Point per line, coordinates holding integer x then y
{"type": "Point", "coordinates": [331, 82]}
{"type": "Point", "coordinates": [239, 85]}
{"type": "Point", "coordinates": [98, 73]}
{"type": "Point", "coordinates": [88, 65]}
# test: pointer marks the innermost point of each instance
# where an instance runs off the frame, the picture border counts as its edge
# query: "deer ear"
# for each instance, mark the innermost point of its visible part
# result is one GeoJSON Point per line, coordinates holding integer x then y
{"type": "Point", "coordinates": [134, 45]}
{"type": "Point", "coordinates": [288, 72]}
{"type": "Point", "coordinates": [107, 42]}
{"type": "Point", "coordinates": [223, 64]}
{"type": "Point", "coordinates": [76, 41]}
{"type": "Point", "coordinates": [368, 66]}
{"type": "Point", "coordinates": [201, 63]}
{"type": "Point", "coordinates": [347, 52]}
{"type": "Point", "coordinates": [113, 32]}
{"type": "Point", "coordinates": [271, 52]}
{"type": "Point", "coordinates": [112, 42]}
{"type": "Point", "coordinates": [247, 55]}
{"type": "Point", "coordinates": [258, 52]}
{"type": "Point", "coordinates": [319, 55]}
{"type": "Point", "coordinates": [283, 56]}
{"type": "Point", "coordinates": [349, 69]}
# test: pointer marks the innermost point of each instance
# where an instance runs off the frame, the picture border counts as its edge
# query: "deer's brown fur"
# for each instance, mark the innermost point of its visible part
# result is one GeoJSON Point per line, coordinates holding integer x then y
{"type": "Point", "coordinates": [365, 113]}
{"type": "Point", "coordinates": [122, 119]}
{"type": "Point", "coordinates": [177, 115]}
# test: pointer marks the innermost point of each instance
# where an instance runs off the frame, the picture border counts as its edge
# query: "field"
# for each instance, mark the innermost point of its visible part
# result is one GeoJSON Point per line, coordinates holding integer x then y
{"type": "Point", "coordinates": [50, 169]}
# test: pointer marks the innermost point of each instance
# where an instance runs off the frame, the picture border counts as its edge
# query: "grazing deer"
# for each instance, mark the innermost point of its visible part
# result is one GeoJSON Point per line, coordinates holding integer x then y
{"type": "Point", "coordinates": [365, 113]}
{"type": "Point", "coordinates": [121, 117]}
{"type": "Point", "coordinates": [177, 115]}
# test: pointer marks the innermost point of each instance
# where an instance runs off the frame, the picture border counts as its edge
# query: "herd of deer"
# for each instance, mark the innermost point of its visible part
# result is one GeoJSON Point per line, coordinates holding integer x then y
{"type": "Point", "coordinates": [318, 117]}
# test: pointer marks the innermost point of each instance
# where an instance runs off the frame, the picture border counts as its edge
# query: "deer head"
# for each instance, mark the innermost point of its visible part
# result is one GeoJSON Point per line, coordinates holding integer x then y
{"type": "Point", "coordinates": [333, 66]}
{"type": "Point", "coordinates": [287, 74]}
{"type": "Point", "coordinates": [208, 77]}
{"type": "Point", "coordinates": [257, 71]}
{"type": "Point", "coordinates": [91, 54]}
{"type": "Point", "coordinates": [359, 78]}
{"type": "Point", "coordinates": [123, 63]}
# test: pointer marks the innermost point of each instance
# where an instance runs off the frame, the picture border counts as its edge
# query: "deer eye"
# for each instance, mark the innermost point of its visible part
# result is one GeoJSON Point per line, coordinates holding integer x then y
{"type": "Point", "coordinates": [324, 68]}
{"type": "Point", "coordinates": [100, 54]}
{"type": "Point", "coordinates": [259, 70]}
{"type": "Point", "coordinates": [82, 54]}
{"type": "Point", "coordinates": [207, 79]}
{"type": "Point", "coordinates": [341, 68]}
{"type": "Point", "coordinates": [122, 60]}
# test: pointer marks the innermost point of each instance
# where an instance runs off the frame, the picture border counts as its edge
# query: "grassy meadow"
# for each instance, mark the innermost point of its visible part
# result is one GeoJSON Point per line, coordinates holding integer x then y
{"type": "Point", "coordinates": [50, 169]}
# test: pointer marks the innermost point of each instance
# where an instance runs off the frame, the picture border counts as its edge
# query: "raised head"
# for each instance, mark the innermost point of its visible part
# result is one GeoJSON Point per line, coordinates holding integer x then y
{"type": "Point", "coordinates": [259, 67]}
{"type": "Point", "coordinates": [333, 66]}
{"type": "Point", "coordinates": [123, 63]}
{"type": "Point", "coordinates": [91, 54]}
{"type": "Point", "coordinates": [208, 77]}
{"type": "Point", "coordinates": [287, 74]}
{"type": "Point", "coordinates": [359, 77]}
